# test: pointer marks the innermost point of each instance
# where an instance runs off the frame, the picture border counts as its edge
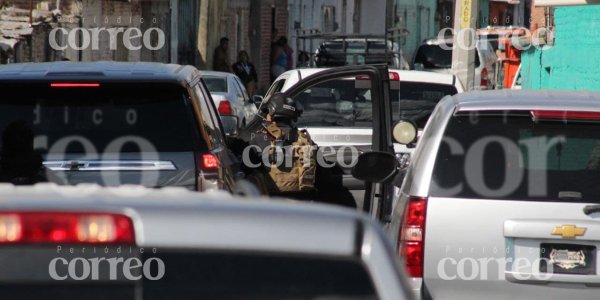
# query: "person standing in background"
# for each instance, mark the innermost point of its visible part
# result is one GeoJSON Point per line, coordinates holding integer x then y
{"type": "Point", "coordinates": [220, 56]}
{"type": "Point", "coordinates": [290, 56]}
{"type": "Point", "coordinates": [246, 72]}
{"type": "Point", "coordinates": [279, 62]}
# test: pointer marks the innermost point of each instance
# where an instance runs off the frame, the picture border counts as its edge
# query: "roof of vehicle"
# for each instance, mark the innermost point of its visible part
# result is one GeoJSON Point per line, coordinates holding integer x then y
{"type": "Point", "coordinates": [216, 73]}
{"type": "Point", "coordinates": [102, 71]}
{"type": "Point", "coordinates": [176, 217]}
{"type": "Point", "coordinates": [527, 100]}
{"type": "Point", "coordinates": [445, 40]}
{"type": "Point", "coordinates": [405, 75]}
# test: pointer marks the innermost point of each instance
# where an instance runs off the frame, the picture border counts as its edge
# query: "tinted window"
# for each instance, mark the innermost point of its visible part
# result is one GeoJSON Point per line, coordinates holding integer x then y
{"type": "Point", "coordinates": [276, 87]}
{"type": "Point", "coordinates": [98, 116]}
{"type": "Point", "coordinates": [418, 99]}
{"type": "Point", "coordinates": [255, 276]}
{"type": "Point", "coordinates": [230, 276]}
{"type": "Point", "coordinates": [339, 103]}
{"type": "Point", "coordinates": [435, 57]}
{"type": "Point", "coordinates": [216, 84]}
{"type": "Point", "coordinates": [338, 53]}
{"type": "Point", "coordinates": [513, 157]}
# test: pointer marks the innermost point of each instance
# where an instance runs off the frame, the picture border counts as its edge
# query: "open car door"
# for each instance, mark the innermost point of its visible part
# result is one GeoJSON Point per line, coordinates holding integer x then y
{"type": "Point", "coordinates": [369, 110]}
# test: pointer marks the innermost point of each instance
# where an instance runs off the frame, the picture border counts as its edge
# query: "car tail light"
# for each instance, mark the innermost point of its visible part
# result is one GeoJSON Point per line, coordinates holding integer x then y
{"type": "Point", "coordinates": [411, 242]}
{"type": "Point", "coordinates": [73, 85]}
{"type": "Point", "coordinates": [225, 108]}
{"type": "Point", "coordinates": [210, 162]}
{"type": "Point", "coordinates": [484, 77]}
{"type": "Point", "coordinates": [565, 115]}
{"type": "Point", "coordinates": [60, 227]}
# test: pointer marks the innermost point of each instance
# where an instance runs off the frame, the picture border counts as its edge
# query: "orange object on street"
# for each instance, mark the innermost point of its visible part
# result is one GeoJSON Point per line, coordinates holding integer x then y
{"type": "Point", "coordinates": [511, 63]}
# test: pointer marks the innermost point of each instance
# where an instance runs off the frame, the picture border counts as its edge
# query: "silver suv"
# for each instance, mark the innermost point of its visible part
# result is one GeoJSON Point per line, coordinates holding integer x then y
{"type": "Point", "coordinates": [501, 198]}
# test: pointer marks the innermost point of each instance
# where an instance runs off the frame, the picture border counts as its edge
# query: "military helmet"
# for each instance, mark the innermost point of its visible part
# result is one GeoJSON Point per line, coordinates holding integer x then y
{"type": "Point", "coordinates": [284, 107]}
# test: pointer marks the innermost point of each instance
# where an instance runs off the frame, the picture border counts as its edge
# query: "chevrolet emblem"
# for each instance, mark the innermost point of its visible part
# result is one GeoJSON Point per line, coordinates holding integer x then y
{"type": "Point", "coordinates": [568, 231]}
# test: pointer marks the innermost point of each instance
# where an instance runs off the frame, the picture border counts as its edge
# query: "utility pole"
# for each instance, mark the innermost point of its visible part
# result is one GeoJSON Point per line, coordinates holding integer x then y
{"type": "Point", "coordinates": [463, 55]}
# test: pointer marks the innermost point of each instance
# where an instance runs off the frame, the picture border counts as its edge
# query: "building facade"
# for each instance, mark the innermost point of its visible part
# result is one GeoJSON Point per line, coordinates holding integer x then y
{"type": "Point", "coordinates": [571, 62]}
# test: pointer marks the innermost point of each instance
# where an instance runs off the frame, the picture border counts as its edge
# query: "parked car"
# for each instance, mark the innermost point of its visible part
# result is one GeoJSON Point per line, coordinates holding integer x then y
{"type": "Point", "coordinates": [230, 96]}
{"type": "Point", "coordinates": [112, 123]}
{"type": "Point", "coordinates": [134, 243]}
{"type": "Point", "coordinates": [430, 56]}
{"type": "Point", "coordinates": [501, 197]}
{"type": "Point", "coordinates": [338, 113]}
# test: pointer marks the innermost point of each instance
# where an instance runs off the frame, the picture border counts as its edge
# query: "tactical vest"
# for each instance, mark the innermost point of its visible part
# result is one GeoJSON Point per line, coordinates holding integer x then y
{"type": "Point", "coordinates": [293, 160]}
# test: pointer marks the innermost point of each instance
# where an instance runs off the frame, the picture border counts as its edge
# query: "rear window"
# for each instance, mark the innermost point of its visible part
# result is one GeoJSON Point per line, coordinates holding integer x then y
{"type": "Point", "coordinates": [335, 54]}
{"type": "Point", "coordinates": [216, 84]}
{"type": "Point", "coordinates": [339, 103]}
{"type": "Point", "coordinates": [418, 99]}
{"type": "Point", "coordinates": [222, 276]}
{"type": "Point", "coordinates": [509, 156]}
{"type": "Point", "coordinates": [435, 57]}
{"type": "Point", "coordinates": [114, 117]}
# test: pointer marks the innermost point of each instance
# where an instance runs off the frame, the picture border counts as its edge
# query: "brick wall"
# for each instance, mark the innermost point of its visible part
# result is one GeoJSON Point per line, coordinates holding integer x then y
{"type": "Point", "coordinates": [241, 42]}
{"type": "Point", "coordinates": [264, 65]}
{"type": "Point", "coordinates": [263, 22]}
{"type": "Point", "coordinates": [538, 17]}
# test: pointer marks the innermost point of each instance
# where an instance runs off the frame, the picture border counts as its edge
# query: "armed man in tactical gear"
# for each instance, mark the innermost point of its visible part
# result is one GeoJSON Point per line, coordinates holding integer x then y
{"type": "Point", "coordinates": [287, 154]}
{"type": "Point", "coordinates": [284, 158]}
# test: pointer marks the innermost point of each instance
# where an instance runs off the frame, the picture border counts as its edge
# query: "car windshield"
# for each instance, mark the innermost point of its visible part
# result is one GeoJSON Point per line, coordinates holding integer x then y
{"type": "Point", "coordinates": [110, 118]}
{"type": "Point", "coordinates": [512, 157]}
{"type": "Point", "coordinates": [340, 103]}
{"type": "Point", "coordinates": [216, 84]}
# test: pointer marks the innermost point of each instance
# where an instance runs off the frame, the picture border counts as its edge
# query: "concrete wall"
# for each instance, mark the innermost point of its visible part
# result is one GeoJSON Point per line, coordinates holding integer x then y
{"type": "Point", "coordinates": [372, 17]}
{"type": "Point", "coordinates": [572, 63]}
{"type": "Point", "coordinates": [418, 16]}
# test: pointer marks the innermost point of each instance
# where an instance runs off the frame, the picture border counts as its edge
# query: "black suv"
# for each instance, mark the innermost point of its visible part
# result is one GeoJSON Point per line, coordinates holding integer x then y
{"type": "Point", "coordinates": [112, 124]}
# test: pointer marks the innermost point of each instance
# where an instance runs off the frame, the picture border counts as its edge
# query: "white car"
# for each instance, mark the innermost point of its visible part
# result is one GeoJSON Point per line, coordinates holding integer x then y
{"type": "Point", "coordinates": [338, 113]}
{"type": "Point", "coordinates": [430, 56]}
{"type": "Point", "coordinates": [229, 95]}
{"type": "Point", "coordinates": [88, 242]}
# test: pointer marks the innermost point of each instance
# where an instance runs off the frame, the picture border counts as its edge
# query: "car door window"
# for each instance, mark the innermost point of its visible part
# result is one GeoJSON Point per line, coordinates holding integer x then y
{"type": "Point", "coordinates": [276, 87]}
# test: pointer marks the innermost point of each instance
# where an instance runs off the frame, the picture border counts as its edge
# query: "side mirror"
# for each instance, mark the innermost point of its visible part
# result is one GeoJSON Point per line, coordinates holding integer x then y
{"type": "Point", "coordinates": [257, 100]}
{"type": "Point", "coordinates": [405, 132]}
{"type": "Point", "coordinates": [378, 167]}
{"type": "Point", "coordinates": [230, 125]}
